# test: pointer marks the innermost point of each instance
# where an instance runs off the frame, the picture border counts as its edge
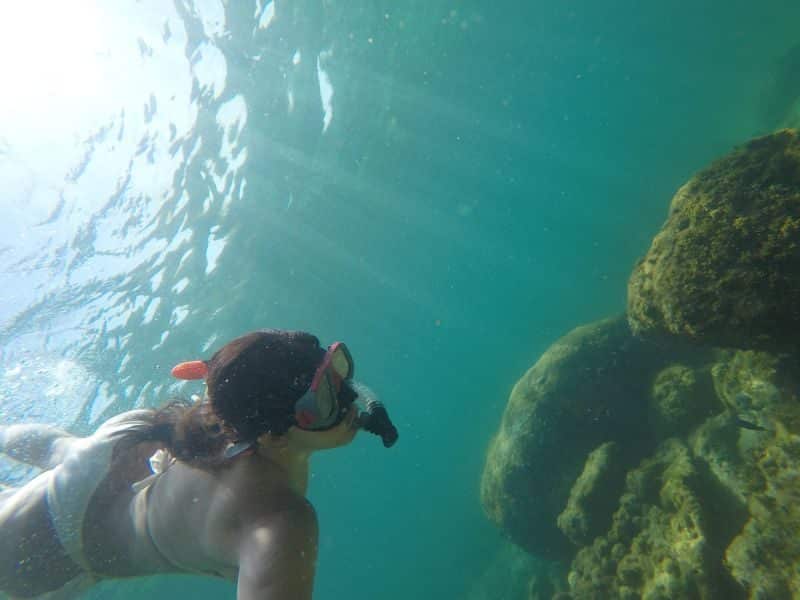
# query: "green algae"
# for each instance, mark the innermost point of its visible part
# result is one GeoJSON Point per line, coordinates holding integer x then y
{"type": "Point", "coordinates": [725, 268]}
{"type": "Point", "coordinates": [710, 510]}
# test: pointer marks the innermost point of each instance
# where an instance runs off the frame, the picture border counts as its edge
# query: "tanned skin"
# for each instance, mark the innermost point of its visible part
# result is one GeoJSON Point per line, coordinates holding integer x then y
{"type": "Point", "coordinates": [247, 520]}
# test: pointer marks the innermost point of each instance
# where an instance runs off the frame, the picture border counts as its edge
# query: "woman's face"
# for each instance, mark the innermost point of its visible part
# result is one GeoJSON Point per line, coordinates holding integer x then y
{"type": "Point", "coordinates": [340, 435]}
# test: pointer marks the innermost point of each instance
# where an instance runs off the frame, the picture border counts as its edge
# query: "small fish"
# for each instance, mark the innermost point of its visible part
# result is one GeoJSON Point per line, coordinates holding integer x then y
{"type": "Point", "coordinates": [748, 424]}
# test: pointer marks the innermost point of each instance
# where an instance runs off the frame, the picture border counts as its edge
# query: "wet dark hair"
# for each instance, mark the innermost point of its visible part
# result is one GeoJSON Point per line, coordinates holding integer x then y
{"type": "Point", "coordinates": [254, 381]}
{"type": "Point", "coordinates": [252, 385]}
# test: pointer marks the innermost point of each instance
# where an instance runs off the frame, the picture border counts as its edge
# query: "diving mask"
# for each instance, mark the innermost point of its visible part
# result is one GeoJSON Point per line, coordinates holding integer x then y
{"type": "Point", "coordinates": [325, 405]}
{"type": "Point", "coordinates": [320, 407]}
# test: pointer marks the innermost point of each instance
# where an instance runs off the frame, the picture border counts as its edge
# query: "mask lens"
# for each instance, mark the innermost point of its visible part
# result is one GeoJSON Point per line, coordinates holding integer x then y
{"type": "Point", "coordinates": [321, 402]}
{"type": "Point", "coordinates": [341, 362]}
{"type": "Point", "coordinates": [326, 399]}
{"type": "Point", "coordinates": [316, 409]}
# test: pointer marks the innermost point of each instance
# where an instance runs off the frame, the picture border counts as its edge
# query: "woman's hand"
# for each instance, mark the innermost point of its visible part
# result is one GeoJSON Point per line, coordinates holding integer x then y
{"type": "Point", "coordinates": [277, 556]}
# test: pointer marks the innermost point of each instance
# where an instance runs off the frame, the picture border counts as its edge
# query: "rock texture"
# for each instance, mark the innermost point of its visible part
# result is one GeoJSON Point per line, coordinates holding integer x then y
{"type": "Point", "coordinates": [681, 398]}
{"type": "Point", "coordinates": [725, 268]}
{"type": "Point", "coordinates": [667, 538]}
{"type": "Point", "coordinates": [587, 389]}
{"type": "Point", "coordinates": [591, 500]}
{"type": "Point", "coordinates": [715, 511]}
{"type": "Point", "coordinates": [710, 508]}
{"type": "Point", "coordinates": [662, 460]}
{"type": "Point", "coordinates": [761, 470]}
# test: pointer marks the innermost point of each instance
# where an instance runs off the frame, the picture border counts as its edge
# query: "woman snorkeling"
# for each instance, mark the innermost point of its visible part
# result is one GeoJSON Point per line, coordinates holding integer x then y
{"type": "Point", "coordinates": [223, 492]}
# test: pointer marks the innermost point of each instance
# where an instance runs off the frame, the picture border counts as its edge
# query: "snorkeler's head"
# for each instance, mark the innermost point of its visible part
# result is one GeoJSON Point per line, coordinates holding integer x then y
{"type": "Point", "coordinates": [270, 380]}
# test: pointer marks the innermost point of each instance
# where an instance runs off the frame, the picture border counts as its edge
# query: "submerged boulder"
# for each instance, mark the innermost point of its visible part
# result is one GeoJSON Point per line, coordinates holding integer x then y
{"type": "Point", "coordinates": [681, 398]}
{"type": "Point", "coordinates": [588, 388]}
{"type": "Point", "coordinates": [714, 511]}
{"type": "Point", "coordinates": [667, 538]}
{"type": "Point", "coordinates": [760, 468]}
{"type": "Point", "coordinates": [657, 454]}
{"type": "Point", "coordinates": [652, 472]}
{"type": "Point", "coordinates": [725, 268]}
{"type": "Point", "coordinates": [593, 495]}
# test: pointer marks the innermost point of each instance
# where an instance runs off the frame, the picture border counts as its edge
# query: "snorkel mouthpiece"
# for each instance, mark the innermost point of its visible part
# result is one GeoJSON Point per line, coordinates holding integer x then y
{"type": "Point", "coordinates": [374, 417]}
{"type": "Point", "coordinates": [376, 420]}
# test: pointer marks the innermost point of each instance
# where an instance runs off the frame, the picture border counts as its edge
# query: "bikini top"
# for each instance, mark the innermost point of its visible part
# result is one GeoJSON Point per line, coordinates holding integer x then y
{"type": "Point", "coordinates": [161, 460]}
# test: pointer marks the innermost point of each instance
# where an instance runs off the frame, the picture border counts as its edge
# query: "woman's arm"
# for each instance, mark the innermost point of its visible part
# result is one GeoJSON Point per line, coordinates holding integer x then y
{"type": "Point", "coordinates": [277, 557]}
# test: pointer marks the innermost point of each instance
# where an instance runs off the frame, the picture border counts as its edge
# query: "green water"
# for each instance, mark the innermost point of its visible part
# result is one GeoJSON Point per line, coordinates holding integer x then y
{"type": "Point", "coordinates": [480, 181]}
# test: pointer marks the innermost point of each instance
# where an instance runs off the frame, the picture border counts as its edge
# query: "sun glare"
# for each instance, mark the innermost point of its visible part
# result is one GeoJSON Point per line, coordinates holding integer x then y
{"type": "Point", "coordinates": [48, 55]}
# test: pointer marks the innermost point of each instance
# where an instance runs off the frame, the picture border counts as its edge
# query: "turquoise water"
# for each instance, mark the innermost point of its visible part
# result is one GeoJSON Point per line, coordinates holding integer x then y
{"type": "Point", "coordinates": [446, 186]}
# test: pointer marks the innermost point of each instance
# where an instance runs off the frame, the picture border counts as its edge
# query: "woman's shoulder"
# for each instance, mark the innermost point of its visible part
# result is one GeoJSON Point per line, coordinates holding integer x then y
{"type": "Point", "coordinates": [260, 488]}
{"type": "Point", "coordinates": [244, 488]}
{"type": "Point", "coordinates": [202, 514]}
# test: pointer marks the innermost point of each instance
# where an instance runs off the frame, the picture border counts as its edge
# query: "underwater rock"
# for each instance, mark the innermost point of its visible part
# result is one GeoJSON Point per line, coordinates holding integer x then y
{"type": "Point", "coordinates": [748, 381]}
{"type": "Point", "coordinates": [655, 472]}
{"type": "Point", "coordinates": [681, 398]}
{"type": "Point", "coordinates": [765, 556]}
{"type": "Point", "coordinates": [667, 538]}
{"type": "Point", "coordinates": [592, 499]}
{"type": "Point", "coordinates": [715, 511]}
{"type": "Point", "coordinates": [588, 388]}
{"type": "Point", "coordinates": [725, 268]}
{"type": "Point", "coordinates": [761, 469]}
{"type": "Point", "coordinates": [547, 583]}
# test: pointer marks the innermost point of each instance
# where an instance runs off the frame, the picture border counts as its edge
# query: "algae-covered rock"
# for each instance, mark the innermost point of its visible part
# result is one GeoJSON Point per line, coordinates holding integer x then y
{"type": "Point", "coordinates": [765, 556]}
{"type": "Point", "coordinates": [681, 398]}
{"type": "Point", "coordinates": [588, 388]}
{"type": "Point", "coordinates": [750, 381]}
{"type": "Point", "coordinates": [667, 539]}
{"type": "Point", "coordinates": [592, 499]}
{"type": "Point", "coordinates": [762, 470]}
{"type": "Point", "coordinates": [715, 511]}
{"type": "Point", "coordinates": [725, 268]}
